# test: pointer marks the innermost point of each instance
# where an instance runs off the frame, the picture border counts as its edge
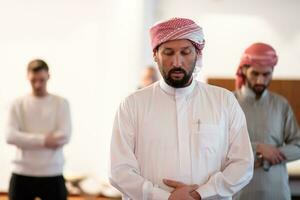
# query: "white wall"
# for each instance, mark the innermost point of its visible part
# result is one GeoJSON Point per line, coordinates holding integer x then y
{"type": "Point", "coordinates": [94, 52]}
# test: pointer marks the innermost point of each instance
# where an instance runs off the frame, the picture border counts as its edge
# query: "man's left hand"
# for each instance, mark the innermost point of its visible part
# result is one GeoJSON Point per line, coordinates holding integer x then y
{"type": "Point", "coordinates": [177, 185]}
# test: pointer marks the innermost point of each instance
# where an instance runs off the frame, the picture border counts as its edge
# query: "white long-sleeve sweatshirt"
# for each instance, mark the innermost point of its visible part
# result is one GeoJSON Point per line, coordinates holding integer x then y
{"type": "Point", "coordinates": [30, 119]}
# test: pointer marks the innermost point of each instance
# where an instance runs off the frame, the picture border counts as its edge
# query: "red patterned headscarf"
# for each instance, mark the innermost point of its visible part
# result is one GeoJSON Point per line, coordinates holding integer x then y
{"type": "Point", "coordinates": [175, 29]}
{"type": "Point", "coordinates": [260, 54]}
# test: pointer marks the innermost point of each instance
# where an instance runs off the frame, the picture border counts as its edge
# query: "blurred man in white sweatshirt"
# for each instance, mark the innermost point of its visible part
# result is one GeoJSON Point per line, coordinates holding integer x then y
{"type": "Point", "coordinates": [39, 125]}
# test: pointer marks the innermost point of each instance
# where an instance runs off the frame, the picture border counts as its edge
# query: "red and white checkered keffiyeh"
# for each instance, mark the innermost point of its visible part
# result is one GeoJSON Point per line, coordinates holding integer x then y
{"type": "Point", "coordinates": [174, 29]}
{"type": "Point", "coordinates": [259, 54]}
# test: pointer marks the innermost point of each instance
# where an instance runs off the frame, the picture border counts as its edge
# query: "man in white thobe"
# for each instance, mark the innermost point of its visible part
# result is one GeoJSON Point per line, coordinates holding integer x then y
{"type": "Point", "coordinates": [179, 138]}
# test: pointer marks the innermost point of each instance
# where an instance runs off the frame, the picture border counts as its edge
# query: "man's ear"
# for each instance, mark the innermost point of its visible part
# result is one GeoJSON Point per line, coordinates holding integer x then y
{"type": "Point", "coordinates": [199, 54]}
{"type": "Point", "coordinates": [244, 70]}
{"type": "Point", "coordinates": [155, 56]}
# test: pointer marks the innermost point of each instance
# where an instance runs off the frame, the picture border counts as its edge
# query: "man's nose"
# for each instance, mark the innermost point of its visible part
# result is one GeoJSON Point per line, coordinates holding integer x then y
{"type": "Point", "coordinates": [260, 79]}
{"type": "Point", "coordinates": [37, 85]}
{"type": "Point", "coordinates": [177, 61]}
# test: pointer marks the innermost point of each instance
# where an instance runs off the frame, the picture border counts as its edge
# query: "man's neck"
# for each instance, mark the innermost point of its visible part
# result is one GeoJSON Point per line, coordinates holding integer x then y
{"type": "Point", "coordinates": [257, 96]}
{"type": "Point", "coordinates": [40, 94]}
{"type": "Point", "coordinates": [250, 92]}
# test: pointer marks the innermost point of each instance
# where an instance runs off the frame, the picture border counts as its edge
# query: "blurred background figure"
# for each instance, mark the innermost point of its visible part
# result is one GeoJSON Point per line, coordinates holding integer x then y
{"type": "Point", "coordinates": [39, 125]}
{"type": "Point", "coordinates": [272, 125]}
{"type": "Point", "coordinates": [149, 76]}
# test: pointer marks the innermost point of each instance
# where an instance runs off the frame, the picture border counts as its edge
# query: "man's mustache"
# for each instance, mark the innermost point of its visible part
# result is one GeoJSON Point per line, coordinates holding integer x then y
{"type": "Point", "coordinates": [177, 70]}
{"type": "Point", "coordinates": [259, 85]}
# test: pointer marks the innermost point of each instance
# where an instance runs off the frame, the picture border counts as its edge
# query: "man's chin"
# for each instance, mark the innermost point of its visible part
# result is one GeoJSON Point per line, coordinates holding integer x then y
{"type": "Point", "coordinates": [176, 83]}
{"type": "Point", "coordinates": [39, 92]}
{"type": "Point", "coordinates": [179, 80]}
{"type": "Point", "coordinates": [259, 91]}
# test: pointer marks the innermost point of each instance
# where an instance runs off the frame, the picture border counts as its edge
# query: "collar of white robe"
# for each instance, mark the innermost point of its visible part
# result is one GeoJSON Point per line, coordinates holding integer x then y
{"type": "Point", "coordinates": [177, 92]}
{"type": "Point", "coordinates": [249, 94]}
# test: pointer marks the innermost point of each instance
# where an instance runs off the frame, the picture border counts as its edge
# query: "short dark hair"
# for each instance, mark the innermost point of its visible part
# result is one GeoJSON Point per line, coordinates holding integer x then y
{"type": "Point", "coordinates": [37, 65]}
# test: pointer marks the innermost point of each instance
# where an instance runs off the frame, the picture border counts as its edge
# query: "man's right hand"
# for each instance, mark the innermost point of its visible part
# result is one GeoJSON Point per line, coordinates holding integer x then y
{"type": "Point", "coordinates": [270, 153]}
{"type": "Point", "coordinates": [53, 141]}
{"type": "Point", "coordinates": [177, 185]}
{"type": "Point", "coordinates": [183, 193]}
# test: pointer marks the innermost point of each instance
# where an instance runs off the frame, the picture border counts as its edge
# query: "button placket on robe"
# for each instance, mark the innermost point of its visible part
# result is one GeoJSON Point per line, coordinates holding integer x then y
{"type": "Point", "coordinates": [183, 137]}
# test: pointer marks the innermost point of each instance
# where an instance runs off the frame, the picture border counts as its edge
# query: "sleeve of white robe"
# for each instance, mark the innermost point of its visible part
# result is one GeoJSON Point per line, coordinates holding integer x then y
{"type": "Point", "coordinates": [124, 168]}
{"type": "Point", "coordinates": [19, 138]}
{"type": "Point", "coordinates": [238, 168]}
{"type": "Point", "coordinates": [291, 148]}
{"type": "Point", "coordinates": [64, 125]}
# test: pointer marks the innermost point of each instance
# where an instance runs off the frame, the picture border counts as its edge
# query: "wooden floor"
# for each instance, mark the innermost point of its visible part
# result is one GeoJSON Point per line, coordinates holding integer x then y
{"type": "Point", "coordinates": [4, 197]}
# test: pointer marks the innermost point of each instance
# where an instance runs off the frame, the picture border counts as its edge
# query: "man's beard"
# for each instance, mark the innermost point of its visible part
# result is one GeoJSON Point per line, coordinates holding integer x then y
{"type": "Point", "coordinates": [183, 82]}
{"type": "Point", "coordinates": [258, 89]}
{"type": "Point", "coordinates": [39, 91]}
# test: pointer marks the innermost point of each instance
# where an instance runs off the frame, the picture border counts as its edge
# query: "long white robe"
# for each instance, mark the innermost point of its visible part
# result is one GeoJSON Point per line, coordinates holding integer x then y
{"type": "Point", "coordinates": [270, 120]}
{"type": "Point", "coordinates": [196, 135]}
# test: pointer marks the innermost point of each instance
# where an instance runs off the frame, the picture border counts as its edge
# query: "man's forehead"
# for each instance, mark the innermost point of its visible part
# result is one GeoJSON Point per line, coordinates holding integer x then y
{"type": "Point", "coordinates": [38, 74]}
{"type": "Point", "coordinates": [181, 43]}
{"type": "Point", "coordinates": [261, 69]}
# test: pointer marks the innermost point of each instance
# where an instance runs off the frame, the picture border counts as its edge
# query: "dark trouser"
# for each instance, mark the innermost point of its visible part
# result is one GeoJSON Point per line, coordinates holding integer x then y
{"type": "Point", "coordinates": [28, 188]}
